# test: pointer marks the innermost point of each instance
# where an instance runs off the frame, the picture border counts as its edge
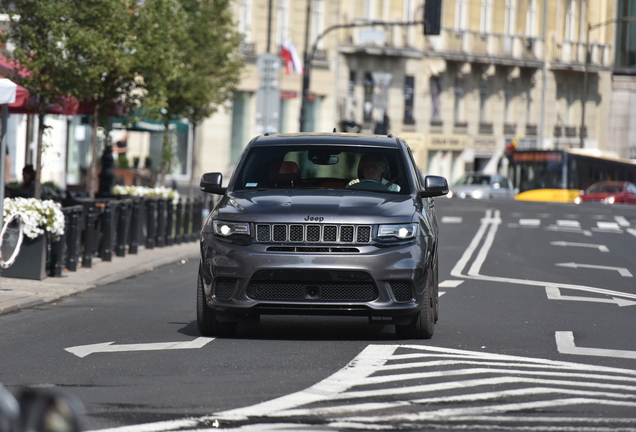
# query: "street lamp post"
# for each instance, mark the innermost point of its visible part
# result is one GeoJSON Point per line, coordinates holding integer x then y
{"type": "Point", "coordinates": [590, 27]}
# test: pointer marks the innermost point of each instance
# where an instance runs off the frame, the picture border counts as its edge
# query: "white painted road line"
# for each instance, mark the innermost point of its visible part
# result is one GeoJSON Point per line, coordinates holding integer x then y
{"type": "Point", "coordinates": [554, 293]}
{"type": "Point", "coordinates": [632, 231]}
{"type": "Point", "coordinates": [621, 221]}
{"type": "Point", "coordinates": [621, 270]}
{"type": "Point", "coordinates": [84, 350]}
{"type": "Point", "coordinates": [568, 223]}
{"type": "Point", "coordinates": [586, 233]}
{"type": "Point", "coordinates": [602, 248]}
{"type": "Point", "coordinates": [452, 219]}
{"type": "Point", "coordinates": [530, 222]}
{"type": "Point", "coordinates": [449, 283]}
{"type": "Point", "coordinates": [608, 225]}
{"type": "Point", "coordinates": [565, 345]}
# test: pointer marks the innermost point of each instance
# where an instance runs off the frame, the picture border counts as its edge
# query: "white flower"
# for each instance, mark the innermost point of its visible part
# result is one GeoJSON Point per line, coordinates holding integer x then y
{"type": "Point", "coordinates": [162, 192]}
{"type": "Point", "coordinates": [38, 216]}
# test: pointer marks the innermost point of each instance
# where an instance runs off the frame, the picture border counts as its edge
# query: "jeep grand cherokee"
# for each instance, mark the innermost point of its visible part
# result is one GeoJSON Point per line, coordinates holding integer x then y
{"type": "Point", "coordinates": [323, 224]}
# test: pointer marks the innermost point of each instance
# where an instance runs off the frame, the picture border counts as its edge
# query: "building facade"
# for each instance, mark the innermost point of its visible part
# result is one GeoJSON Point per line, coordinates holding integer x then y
{"type": "Point", "coordinates": [495, 75]}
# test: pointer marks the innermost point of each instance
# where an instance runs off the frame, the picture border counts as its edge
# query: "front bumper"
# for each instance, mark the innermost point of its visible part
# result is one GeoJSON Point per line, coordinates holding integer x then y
{"type": "Point", "coordinates": [244, 281]}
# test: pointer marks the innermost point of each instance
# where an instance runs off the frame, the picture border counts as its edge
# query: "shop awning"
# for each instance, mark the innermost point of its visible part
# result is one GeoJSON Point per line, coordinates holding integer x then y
{"type": "Point", "coordinates": [148, 125]}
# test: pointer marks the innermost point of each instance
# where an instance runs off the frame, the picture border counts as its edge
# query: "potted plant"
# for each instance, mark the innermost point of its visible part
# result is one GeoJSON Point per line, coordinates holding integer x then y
{"type": "Point", "coordinates": [43, 222]}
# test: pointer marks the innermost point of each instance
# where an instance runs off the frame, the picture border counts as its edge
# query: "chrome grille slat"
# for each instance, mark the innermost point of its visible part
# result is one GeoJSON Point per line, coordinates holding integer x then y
{"type": "Point", "coordinates": [312, 233]}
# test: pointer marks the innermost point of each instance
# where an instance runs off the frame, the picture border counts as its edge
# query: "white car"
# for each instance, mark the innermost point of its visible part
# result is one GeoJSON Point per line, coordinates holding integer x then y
{"type": "Point", "coordinates": [476, 185]}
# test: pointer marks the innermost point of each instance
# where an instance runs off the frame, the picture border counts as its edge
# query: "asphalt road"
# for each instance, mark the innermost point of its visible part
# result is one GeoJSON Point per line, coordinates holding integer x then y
{"type": "Point", "coordinates": [537, 311]}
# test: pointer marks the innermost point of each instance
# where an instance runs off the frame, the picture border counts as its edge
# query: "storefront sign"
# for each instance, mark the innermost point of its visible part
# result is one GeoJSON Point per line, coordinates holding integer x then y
{"type": "Point", "coordinates": [447, 142]}
{"type": "Point", "coordinates": [416, 141]}
{"type": "Point", "coordinates": [485, 145]}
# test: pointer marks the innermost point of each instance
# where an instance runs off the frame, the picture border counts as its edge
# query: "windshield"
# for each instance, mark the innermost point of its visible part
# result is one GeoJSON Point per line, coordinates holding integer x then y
{"type": "Point", "coordinates": [474, 179]}
{"type": "Point", "coordinates": [605, 188]}
{"type": "Point", "coordinates": [324, 167]}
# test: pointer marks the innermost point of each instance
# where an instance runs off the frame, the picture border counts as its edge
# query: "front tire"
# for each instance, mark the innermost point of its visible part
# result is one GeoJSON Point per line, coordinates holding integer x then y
{"type": "Point", "coordinates": [207, 323]}
{"type": "Point", "coordinates": [422, 326]}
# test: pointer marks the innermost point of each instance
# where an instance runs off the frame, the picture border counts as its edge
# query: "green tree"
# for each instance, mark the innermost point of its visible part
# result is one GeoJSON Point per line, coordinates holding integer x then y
{"type": "Point", "coordinates": [208, 68]}
{"type": "Point", "coordinates": [39, 33]}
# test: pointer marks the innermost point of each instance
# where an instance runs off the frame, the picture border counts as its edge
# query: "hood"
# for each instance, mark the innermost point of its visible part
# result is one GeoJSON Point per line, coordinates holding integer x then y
{"type": "Point", "coordinates": [319, 207]}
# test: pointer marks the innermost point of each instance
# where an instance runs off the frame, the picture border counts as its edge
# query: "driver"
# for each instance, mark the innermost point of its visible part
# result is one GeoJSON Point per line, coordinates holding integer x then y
{"type": "Point", "coordinates": [372, 168]}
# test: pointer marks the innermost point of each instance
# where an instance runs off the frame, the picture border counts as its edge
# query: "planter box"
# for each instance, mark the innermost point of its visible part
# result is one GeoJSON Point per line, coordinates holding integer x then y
{"type": "Point", "coordinates": [31, 261]}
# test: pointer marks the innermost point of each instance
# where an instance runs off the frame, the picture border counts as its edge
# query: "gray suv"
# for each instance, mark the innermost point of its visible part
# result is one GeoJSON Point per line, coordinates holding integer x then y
{"type": "Point", "coordinates": [321, 224]}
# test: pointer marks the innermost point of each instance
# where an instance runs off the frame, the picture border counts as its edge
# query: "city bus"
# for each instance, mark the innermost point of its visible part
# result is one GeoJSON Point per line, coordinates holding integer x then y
{"type": "Point", "coordinates": [561, 175]}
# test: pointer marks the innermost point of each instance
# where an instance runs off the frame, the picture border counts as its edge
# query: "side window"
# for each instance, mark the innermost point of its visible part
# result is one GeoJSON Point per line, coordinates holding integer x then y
{"type": "Point", "coordinates": [418, 179]}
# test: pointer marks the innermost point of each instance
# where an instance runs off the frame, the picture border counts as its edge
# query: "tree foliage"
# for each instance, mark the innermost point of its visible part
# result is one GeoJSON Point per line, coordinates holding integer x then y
{"type": "Point", "coordinates": [173, 58]}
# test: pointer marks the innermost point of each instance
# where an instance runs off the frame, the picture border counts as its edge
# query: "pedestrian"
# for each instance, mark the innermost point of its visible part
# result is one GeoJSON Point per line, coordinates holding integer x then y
{"type": "Point", "coordinates": [27, 190]}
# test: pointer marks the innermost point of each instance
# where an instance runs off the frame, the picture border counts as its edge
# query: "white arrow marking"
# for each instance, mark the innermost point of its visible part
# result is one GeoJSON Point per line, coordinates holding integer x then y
{"type": "Point", "coordinates": [554, 293]}
{"type": "Point", "coordinates": [449, 283]}
{"type": "Point", "coordinates": [565, 345]}
{"type": "Point", "coordinates": [622, 270]}
{"type": "Point", "coordinates": [84, 350]}
{"type": "Point", "coordinates": [587, 245]}
{"type": "Point", "coordinates": [632, 231]}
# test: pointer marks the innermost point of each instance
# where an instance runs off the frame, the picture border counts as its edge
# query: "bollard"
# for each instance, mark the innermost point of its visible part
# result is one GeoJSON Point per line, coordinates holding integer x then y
{"type": "Point", "coordinates": [186, 222]}
{"type": "Point", "coordinates": [89, 236]}
{"type": "Point", "coordinates": [179, 223]}
{"type": "Point", "coordinates": [123, 226]}
{"type": "Point", "coordinates": [72, 217]}
{"type": "Point", "coordinates": [197, 215]}
{"type": "Point", "coordinates": [106, 244]}
{"type": "Point", "coordinates": [151, 222]}
{"type": "Point", "coordinates": [161, 222]}
{"type": "Point", "coordinates": [135, 226]}
{"type": "Point", "coordinates": [170, 223]}
{"type": "Point", "coordinates": [57, 256]}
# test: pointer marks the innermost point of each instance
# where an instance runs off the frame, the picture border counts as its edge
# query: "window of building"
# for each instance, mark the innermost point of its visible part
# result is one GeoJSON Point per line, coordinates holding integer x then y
{"type": "Point", "coordinates": [509, 19]}
{"type": "Point", "coordinates": [569, 21]}
{"type": "Point", "coordinates": [626, 36]}
{"type": "Point", "coordinates": [458, 111]}
{"type": "Point", "coordinates": [312, 112]}
{"type": "Point", "coordinates": [529, 108]}
{"type": "Point", "coordinates": [485, 24]}
{"type": "Point", "coordinates": [461, 14]}
{"type": "Point", "coordinates": [245, 19]}
{"type": "Point", "coordinates": [409, 84]}
{"type": "Point", "coordinates": [282, 21]}
{"type": "Point", "coordinates": [318, 21]}
{"type": "Point", "coordinates": [483, 102]}
{"type": "Point", "coordinates": [240, 124]}
{"type": "Point", "coordinates": [436, 96]}
{"type": "Point", "coordinates": [508, 105]}
{"type": "Point", "coordinates": [409, 16]}
{"type": "Point", "coordinates": [369, 9]}
{"type": "Point", "coordinates": [569, 107]}
{"type": "Point", "coordinates": [531, 19]}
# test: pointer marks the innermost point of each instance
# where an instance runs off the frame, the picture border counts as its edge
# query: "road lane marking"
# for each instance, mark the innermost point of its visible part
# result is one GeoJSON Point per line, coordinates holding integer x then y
{"type": "Point", "coordinates": [84, 350]}
{"type": "Point", "coordinates": [602, 248]}
{"type": "Point", "coordinates": [554, 293]}
{"type": "Point", "coordinates": [586, 233]}
{"type": "Point", "coordinates": [449, 283]}
{"type": "Point", "coordinates": [530, 222]}
{"type": "Point", "coordinates": [452, 219]}
{"type": "Point", "coordinates": [632, 231]}
{"type": "Point", "coordinates": [475, 242]}
{"type": "Point", "coordinates": [621, 270]}
{"type": "Point", "coordinates": [565, 345]}
{"type": "Point", "coordinates": [568, 223]}
{"type": "Point", "coordinates": [621, 221]}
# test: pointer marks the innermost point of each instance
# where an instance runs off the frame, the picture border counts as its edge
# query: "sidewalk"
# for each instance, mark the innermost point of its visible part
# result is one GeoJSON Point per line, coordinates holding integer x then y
{"type": "Point", "coordinates": [21, 293]}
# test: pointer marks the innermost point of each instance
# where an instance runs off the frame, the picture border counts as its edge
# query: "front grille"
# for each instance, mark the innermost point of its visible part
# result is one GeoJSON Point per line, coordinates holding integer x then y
{"type": "Point", "coordinates": [223, 288]}
{"type": "Point", "coordinates": [280, 291]}
{"type": "Point", "coordinates": [402, 291]}
{"type": "Point", "coordinates": [301, 233]}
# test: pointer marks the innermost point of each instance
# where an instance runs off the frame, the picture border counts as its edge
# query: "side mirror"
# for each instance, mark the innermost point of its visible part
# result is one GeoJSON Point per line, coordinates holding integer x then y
{"type": "Point", "coordinates": [434, 186]}
{"type": "Point", "coordinates": [211, 183]}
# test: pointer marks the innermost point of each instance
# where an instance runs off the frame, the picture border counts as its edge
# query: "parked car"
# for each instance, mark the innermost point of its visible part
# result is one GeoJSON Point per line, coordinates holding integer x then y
{"type": "Point", "coordinates": [321, 224]}
{"type": "Point", "coordinates": [477, 185]}
{"type": "Point", "coordinates": [609, 192]}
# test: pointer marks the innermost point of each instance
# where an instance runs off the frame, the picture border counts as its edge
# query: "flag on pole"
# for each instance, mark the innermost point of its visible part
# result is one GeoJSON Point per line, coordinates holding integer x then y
{"type": "Point", "coordinates": [292, 60]}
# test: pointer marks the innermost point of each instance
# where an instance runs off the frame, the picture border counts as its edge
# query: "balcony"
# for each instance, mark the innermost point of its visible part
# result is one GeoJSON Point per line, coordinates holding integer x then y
{"type": "Point", "coordinates": [531, 130]}
{"type": "Point", "coordinates": [248, 49]}
{"type": "Point", "coordinates": [510, 129]}
{"type": "Point", "coordinates": [557, 131]}
{"type": "Point", "coordinates": [457, 45]}
{"type": "Point", "coordinates": [570, 131]}
{"type": "Point", "coordinates": [460, 128]}
{"type": "Point", "coordinates": [568, 52]}
{"type": "Point", "coordinates": [485, 128]}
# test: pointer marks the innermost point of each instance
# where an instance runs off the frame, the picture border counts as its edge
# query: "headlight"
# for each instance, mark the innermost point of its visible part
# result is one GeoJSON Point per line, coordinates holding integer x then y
{"type": "Point", "coordinates": [226, 229]}
{"type": "Point", "coordinates": [609, 200]}
{"type": "Point", "coordinates": [477, 194]}
{"type": "Point", "coordinates": [577, 200]}
{"type": "Point", "coordinates": [399, 231]}
{"type": "Point", "coordinates": [449, 194]}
